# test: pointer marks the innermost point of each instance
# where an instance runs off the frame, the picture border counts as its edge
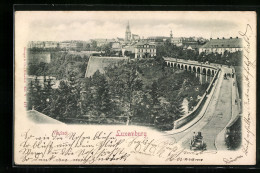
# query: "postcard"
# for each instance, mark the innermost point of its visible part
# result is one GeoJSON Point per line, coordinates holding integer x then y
{"type": "Point", "coordinates": [135, 88]}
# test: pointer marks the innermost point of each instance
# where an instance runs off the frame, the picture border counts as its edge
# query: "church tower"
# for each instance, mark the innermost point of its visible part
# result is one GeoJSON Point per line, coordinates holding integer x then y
{"type": "Point", "coordinates": [171, 37]}
{"type": "Point", "coordinates": [127, 33]}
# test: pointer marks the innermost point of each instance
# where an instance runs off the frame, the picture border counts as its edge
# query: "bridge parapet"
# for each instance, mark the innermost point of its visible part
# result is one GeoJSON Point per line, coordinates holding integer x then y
{"type": "Point", "coordinates": [192, 66]}
{"type": "Point", "coordinates": [190, 116]}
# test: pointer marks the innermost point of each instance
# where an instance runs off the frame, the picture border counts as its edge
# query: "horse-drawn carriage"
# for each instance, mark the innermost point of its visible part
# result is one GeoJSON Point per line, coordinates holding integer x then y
{"type": "Point", "coordinates": [197, 143]}
{"type": "Point", "coordinates": [225, 76]}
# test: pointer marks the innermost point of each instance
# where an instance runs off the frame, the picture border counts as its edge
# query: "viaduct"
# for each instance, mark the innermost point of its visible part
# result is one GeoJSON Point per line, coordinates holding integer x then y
{"type": "Point", "coordinates": [192, 66]}
{"type": "Point", "coordinates": [198, 68]}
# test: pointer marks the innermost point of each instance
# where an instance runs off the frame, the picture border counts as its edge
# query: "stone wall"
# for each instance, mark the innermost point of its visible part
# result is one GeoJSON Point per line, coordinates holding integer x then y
{"type": "Point", "coordinates": [187, 118]}
{"type": "Point", "coordinates": [99, 63]}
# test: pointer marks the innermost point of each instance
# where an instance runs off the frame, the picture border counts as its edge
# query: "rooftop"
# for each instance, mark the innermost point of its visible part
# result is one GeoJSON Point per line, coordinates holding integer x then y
{"type": "Point", "coordinates": [143, 42]}
{"type": "Point", "coordinates": [103, 40]}
{"type": "Point", "coordinates": [158, 37]}
{"type": "Point", "coordinates": [224, 42]}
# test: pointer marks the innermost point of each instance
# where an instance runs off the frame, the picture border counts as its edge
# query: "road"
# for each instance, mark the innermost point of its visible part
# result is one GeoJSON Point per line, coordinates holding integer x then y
{"type": "Point", "coordinates": [216, 116]}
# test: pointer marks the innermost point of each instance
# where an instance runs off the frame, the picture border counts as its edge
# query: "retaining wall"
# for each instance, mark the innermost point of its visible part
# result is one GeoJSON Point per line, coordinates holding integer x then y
{"type": "Point", "coordinates": [236, 114]}
{"type": "Point", "coordinates": [187, 118]}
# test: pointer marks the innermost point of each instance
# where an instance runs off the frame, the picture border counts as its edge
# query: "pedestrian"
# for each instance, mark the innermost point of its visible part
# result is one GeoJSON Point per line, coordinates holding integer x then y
{"type": "Point", "coordinates": [194, 135]}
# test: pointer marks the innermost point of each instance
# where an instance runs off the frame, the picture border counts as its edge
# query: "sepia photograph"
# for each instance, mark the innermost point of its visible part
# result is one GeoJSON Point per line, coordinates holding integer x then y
{"type": "Point", "coordinates": [135, 87]}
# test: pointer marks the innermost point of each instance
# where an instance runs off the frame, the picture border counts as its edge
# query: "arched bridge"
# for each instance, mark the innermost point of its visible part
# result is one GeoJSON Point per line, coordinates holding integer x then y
{"type": "Point", "coordinates": [192, 66]}
{"type": "Point", "coordinates": [220, 108]}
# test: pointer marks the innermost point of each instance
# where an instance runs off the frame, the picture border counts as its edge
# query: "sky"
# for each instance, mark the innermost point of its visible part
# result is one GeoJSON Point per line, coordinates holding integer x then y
{"type": "Point", "coordinates": [85, 25]}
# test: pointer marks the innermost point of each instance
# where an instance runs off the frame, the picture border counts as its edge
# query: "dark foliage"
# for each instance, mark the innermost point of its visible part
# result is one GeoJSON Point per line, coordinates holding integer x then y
{"type": "Point", "coordinates": [136, 92]}
{"type": "Point", "coordinates": [169, 50]}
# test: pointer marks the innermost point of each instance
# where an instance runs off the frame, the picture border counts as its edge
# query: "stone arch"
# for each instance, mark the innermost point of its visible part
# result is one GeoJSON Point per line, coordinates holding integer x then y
{"type": "Point", "coordinates": [179, 67]}
{"type": "Point", "coordinates": [182, 66]}
{"type": "Point", "coordinates": [208, 72]}
{"type": "Point", "coordinates": [204, 71]}
{"type": "Point", "coordinates": [186, 68]}
{"type": "Point", "coordinates": [198, 70]}
{"type": "Point", "coordinates": [189, 68]}
{"type": "Point", "coordinates": [212, 72]}
{"type": "Point", "coordinates": [175, 65]}
{"type": "Point", "coordinates": [194, 69]}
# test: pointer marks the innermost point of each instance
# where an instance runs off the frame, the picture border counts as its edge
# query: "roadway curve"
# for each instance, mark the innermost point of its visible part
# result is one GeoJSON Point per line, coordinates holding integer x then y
{"type": "Point", "coordinates": [216, 116]}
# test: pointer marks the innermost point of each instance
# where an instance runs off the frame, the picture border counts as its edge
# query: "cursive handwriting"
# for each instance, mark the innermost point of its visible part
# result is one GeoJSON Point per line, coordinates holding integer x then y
{"type": "Point", "coordinates": [100, 147]}
{"type": "Point", "coordinates": [167, 150]}
{"type": "Point", "coordinates": [247, 75]}
{"type": "Point", "coordinates": [230, 160]}
{"type": "Point", "coordinates": [71, 147]}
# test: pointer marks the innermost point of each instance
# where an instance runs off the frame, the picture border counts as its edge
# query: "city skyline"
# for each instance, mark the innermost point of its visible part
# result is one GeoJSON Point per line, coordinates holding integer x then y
{"type": "Point", "coordinates": [61, 26]}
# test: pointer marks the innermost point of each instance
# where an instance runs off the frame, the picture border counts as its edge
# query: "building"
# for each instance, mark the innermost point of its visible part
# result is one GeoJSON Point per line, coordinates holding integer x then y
{"type": "Point", "coordinates": [121, 40]}
{"type": "Point", "coordinates": [177, 41]}
{"type": "Point", "coordinates": [135, 37]}
{"type": "Point", "coordinates": [130, 49]}
{"type": "Point", "coordinates": [128, 33]}
{"type": "Point", "coordinates": [116, 46]}
{"type": "Point", "coordinates": [129, 37]}
{"type": "Point", "coordinates": [159, 39]}
{"type": "Point", "coordinates": [222, 45]}
{"type": "Point", "coordinates": [43, 44]}
{"type": "Point", "coordinates": [145, 49]}
{"type": "Point", "coordinates": [36, 44]}
{"type": "Point", "coordinates": [65, 45]}
{"type": "Point", "coordinates": [187, 41]}
{"type": "Point", "coordinates": [102, 42]}
{"type": "Point", "coordinates": [194, 47]}
{"type": "Point", "coordinates": [201, 40]}
{"type": "Point", "coordinates": [76, 46]}
{"type": "Point", "coordinates": [51, 44]}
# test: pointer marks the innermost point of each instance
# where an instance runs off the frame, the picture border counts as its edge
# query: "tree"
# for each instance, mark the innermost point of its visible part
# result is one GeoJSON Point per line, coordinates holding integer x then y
{"type": "Point", "coordinates": [124, 85]}
{"type": "Point", "coordinates": [32, 95]}
{"type": "Point", "coordinates": [107, 49]}
{"type": "Point", "coordinates": [126, 53]}
{"type": "Point", "coordinates": [60, 106]}
{"type": "Point", "coordinates": [155, 93]}
{"type": "Point", "coordinates": [102, 92]}
{"type": "Point", "coordinates": [87, 96]}
{"type": "Point", "coordinates": [65, 100]}
{"type": "Point", "coordinates": [87, 47]}
{"type": "Point", "coordinates": [47, 93]}
{"type": "Point", "coordinates": [74, 95]}
{"type": "Point", "coordinates": [102, 99]}
{"type": "Point", "coordinates": [132, 84]}
{"type": "Point", "coordinates": [42, 69]}
{"type": "Point", "coordinates": [93, 44]}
